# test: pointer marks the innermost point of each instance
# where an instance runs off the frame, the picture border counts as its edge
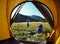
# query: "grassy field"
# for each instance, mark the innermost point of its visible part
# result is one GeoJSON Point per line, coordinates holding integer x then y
{"type": "Point", "coordinates": [21, 31]}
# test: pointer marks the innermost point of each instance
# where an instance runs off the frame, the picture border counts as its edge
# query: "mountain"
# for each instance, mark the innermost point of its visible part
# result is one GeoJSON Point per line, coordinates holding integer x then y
{"type": "Point", "coordinates": [23, 18]}
{"type": "Point", "coordinates": [37, 17]}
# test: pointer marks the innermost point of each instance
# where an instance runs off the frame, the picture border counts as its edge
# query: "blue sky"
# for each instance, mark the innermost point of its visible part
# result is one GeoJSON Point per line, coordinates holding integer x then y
{"type": "Point", "coordinates": [29, 9]}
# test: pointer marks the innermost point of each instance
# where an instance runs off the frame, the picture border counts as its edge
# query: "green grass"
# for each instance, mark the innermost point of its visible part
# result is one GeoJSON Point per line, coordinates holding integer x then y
{"type": "Point", "coordinates": [21, 31]}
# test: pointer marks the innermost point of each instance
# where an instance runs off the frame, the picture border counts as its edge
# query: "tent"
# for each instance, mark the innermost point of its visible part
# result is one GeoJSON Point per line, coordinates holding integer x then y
{"type": "Point", "coordinates": [7, 6]}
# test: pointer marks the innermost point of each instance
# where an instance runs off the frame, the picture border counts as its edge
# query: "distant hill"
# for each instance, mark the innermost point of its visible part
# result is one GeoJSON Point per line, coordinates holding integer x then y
{"type": "Point", "coordinates": [38, 18]}
{"type": "Point", "coordinates": [23, 18]}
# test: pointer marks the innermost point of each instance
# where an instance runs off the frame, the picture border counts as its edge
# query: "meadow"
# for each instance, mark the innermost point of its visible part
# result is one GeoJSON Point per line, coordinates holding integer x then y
{"type": "Point", "coordinates": [21, 31]}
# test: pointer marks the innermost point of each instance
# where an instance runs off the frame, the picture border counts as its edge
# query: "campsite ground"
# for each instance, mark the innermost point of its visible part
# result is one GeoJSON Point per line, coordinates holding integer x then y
{"type": "Point", "coordinates": [21, 31]}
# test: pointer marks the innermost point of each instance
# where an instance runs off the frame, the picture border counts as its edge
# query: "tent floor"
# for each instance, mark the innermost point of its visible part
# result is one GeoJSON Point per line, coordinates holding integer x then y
{"type": "Point", "coordinates": [17, 41]}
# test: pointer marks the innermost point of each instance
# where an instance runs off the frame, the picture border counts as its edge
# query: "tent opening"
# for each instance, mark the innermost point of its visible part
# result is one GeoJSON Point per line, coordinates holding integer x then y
{"type": "Point", "coordinates": [32, 21]}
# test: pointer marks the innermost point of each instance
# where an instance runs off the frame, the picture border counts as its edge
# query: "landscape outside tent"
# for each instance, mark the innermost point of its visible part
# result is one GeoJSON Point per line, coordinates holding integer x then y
{"type": "Point", "coordinates": [35, 17]}
{"type": "Point", "coordinates": [21, 31]}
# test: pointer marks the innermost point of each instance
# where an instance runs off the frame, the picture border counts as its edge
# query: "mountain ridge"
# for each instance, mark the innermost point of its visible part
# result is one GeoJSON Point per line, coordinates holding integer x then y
{"type": "Point", "coordinates": [23, 18]}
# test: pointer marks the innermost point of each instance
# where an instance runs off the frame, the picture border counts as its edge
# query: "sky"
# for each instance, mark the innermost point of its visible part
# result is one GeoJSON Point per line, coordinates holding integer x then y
{"type": "Point", "coordinates": [29, 9]}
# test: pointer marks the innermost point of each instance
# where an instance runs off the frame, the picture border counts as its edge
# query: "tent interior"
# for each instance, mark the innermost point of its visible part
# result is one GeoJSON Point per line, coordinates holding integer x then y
{"type": "Point", "coordinates": [6, 9]}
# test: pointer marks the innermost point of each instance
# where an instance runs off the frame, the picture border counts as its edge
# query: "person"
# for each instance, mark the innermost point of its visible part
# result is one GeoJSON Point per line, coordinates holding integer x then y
{"type": "Point", "coordinates": [40, 28]}
{"type": "Point", "coordinates": [28, 23]}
